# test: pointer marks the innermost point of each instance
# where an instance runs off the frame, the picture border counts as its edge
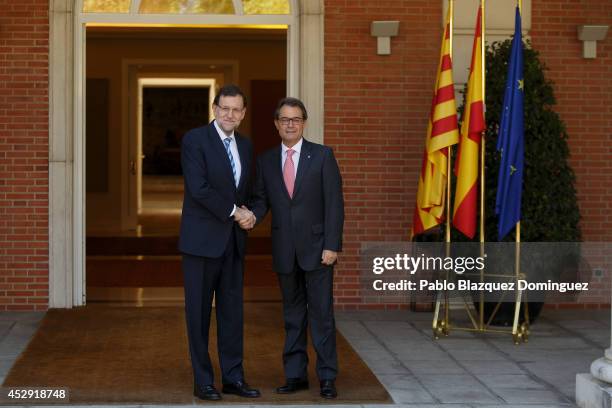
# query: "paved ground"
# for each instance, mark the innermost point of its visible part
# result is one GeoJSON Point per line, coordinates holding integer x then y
{"type": "Point", "coordinates": [464, 370]}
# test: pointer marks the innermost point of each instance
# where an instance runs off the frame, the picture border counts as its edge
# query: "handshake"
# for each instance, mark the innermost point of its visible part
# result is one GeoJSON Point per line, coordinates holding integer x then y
{"type": "Point", "coordinates": [245, 218]}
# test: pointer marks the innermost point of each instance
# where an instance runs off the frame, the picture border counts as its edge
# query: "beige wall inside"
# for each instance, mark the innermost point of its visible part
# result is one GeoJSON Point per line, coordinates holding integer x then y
{"type": "Point", "coordinates": [252, 57]}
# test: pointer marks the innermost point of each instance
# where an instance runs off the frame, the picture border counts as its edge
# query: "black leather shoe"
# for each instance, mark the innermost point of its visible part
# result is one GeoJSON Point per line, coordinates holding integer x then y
{"type": "Point", "coordinates": [292, 385]}
{"type": "Point", "coordinates": [328, 389]}
{"type": "Point", "coordinates": [206, 392]}
{"type": "Point", "coordinates": [241, 389]}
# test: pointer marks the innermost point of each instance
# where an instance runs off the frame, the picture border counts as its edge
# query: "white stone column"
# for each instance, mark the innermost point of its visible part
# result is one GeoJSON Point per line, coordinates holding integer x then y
{"type": "Point", "coordinates": [60, 153]}
{"type": "Point", "coordinates": [312, 67]}
{"type": "Point", "coordinates": [602, 367]}
{"type": "Point", "coordinates": [594, 390]}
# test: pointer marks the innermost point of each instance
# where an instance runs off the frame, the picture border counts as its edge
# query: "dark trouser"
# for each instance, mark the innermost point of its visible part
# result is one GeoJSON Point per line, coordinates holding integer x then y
{"type": "Point", "coordinates": [222, 278]}
{"type": "Point", "coordinates": [308, 298]}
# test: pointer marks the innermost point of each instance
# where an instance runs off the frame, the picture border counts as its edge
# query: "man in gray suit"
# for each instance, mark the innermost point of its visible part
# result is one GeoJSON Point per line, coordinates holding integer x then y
{"type": "Point", "coordinates": [300, 183]}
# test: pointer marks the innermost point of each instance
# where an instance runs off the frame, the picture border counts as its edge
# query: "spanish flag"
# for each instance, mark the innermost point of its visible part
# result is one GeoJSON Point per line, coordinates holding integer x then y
{"type": "Point", "coordinates": [466, 165]}
{"type": "Point", "coordinates": [442, 132]}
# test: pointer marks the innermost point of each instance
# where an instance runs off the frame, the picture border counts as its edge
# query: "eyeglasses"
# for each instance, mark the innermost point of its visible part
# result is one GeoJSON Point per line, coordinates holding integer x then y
{"type": "Point", "coordinates": [231, 111]}
{"type": "Point", "coordinates": [286, 121]}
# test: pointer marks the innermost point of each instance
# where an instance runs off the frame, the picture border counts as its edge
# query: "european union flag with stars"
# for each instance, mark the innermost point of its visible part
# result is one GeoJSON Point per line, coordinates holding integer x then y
{"type": "Point", "coordinates": [510, 140]}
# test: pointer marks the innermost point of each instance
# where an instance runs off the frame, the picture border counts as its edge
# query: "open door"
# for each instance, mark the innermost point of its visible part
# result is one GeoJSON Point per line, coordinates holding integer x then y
{"type": "Point", "coordinates": [138, 80]}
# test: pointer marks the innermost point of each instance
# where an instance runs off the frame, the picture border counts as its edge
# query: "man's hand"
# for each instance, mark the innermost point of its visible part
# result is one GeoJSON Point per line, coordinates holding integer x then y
{"type": "Point", "coordinates": [245, 218]}
{"type": "Point", "coordinates": [329, 257]}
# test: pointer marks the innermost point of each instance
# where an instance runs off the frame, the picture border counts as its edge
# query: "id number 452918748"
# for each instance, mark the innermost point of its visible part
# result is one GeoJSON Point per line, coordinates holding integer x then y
{"type": "Point", "coordinates": [31, 394]}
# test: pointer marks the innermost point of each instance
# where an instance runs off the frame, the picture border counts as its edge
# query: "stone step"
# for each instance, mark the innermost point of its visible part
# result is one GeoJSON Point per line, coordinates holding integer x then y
{"type": "Point", "coordinates": [157, 245]}
{"type": "Point", "coordinates": [149, 271]}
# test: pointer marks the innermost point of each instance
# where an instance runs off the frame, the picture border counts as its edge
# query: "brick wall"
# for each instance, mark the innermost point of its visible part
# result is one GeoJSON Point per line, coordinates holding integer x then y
{"type": "Point", "coordinates": [24, 135]}
{"type": "Point", "coordinates": [583, 88]}
{"type": "Point", "coordinates": [376, 110]}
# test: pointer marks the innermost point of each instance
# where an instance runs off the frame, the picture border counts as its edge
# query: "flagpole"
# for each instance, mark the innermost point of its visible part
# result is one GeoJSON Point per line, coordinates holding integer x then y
{"type": "Point", "coordinates": [517, 258]}
{"type": "Point", "coordinates": [482, 157]}
{"type": "Point", "coordinates": [448, 149]}
{"type": "Point", "coordinates": [482, 140]}
{"type": "Point", "coordinates": [448, 177]}
{"type": "Point", "coordinates": [518, 224]}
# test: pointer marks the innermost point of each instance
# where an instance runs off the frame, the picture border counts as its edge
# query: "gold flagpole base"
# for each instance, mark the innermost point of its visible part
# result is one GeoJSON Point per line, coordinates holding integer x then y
{"type": "Point", "coordinates": [442, 326]}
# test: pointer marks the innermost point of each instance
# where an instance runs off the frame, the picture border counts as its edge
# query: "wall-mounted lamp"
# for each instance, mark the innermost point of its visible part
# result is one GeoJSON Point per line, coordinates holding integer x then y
{"type": "Point", "coordinates": [589, 35]}
{"type": "Point", "coordinates": [383, 31]}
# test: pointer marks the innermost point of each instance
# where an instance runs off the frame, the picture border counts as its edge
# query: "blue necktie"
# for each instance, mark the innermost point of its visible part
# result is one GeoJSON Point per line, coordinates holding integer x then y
{"type": "Point", "coordinates": [227, 142]}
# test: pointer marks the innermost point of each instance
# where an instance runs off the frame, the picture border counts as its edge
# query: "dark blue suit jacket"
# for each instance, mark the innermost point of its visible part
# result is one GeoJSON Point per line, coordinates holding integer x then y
{"type": "Point", "coordinates": [210, 192]}
{"type": "Point", "coordinates": [312, 221]}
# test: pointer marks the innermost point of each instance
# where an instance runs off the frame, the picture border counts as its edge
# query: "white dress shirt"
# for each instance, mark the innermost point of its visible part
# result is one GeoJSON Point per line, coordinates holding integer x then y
{"type": "Point", "coordinates": [296, 156]}
{"type": "Point", "coordinates": [235, 155]}
{"type": "Point", "coordinates": [233, 149]}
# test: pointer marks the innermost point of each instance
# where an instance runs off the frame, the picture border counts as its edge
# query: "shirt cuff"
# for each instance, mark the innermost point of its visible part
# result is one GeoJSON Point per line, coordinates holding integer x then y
{"type": "Point", "coordinates": [233, 211]}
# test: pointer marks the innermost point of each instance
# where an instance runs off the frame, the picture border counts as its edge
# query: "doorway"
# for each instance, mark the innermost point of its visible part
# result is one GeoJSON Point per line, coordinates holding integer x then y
{"type": "Point", "coordinates": [155, 93]}
{"type": "Point", "coordinates": [167, 108]}
{"type": "Point", "coordinates": [303, 21]}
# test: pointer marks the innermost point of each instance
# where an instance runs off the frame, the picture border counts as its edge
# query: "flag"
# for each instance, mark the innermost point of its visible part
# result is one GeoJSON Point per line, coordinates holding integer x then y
{"type": "Point", "coordinates": [466, 164]}
{"type": "Point", "coordinates": [442, 132]}
{"type": "Point", "coordinates": [510, 139]}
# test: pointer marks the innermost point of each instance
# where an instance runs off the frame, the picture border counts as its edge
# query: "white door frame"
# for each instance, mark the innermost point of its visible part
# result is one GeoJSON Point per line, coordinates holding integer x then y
{"type": "Point", "coordinates": [161, 82]}
{"type": "Point", "coordinates": [67, 116]}
{"type": "Point", "coordinates": [132, 71]}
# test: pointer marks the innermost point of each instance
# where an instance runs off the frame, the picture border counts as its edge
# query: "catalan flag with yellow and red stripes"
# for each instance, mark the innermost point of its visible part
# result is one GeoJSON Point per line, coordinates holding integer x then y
{"type": "Point", "coordinates": [465, 209]}
{"type": "Point", "coordinates": [442, 132]}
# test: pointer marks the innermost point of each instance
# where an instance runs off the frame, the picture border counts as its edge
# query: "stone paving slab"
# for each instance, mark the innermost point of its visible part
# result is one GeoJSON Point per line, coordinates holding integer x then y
{"type": "Point", "coordinates": [438, 361]}
{"type": "Point", "coordinates": [463, 370]}
{"type": "Point", "coordinates": [22, 316]}
{"type": "Point", "coordinates": [478, 355]}
{"type": "Point", "coordinates": [5, 365]}
{"type": "Point", "coordinates": [522, 396]}
{"type": "Point", "coordinates": [485, 368]}
{"type": "Point", "coordinates": [558, 405]}
{"type": "Point", "coordinates": [5, 328]}
{"type": "Point", "coordinates": [406, 389]}
{"type": "Point", "coordinates": [464, 395]}
{"type": "Point", "coordinates": [10, 350]}
{"type": "Point", "coordinates": [516, 381]}
{"type": "Point", "coordinates": [563, 341]}
{"type": "Point", "coordinates": [438, 381]}
{"type": "Point", "coordinates": [421, 367]}
{"type": "Point", "coordinates": [455, 343]}
{"type": "Point", "coordinates": [433, 406]}
{"type": "Point", "coordinates": [457, 388]}
{"type": "Point", "coordinates": [425, 351]}
{"type": "Point", "coordinates": [418, 405]}
{"type": "Point", "coordinates": [581, 324]}
{"type": "Point", "coordinates": [387, 367]}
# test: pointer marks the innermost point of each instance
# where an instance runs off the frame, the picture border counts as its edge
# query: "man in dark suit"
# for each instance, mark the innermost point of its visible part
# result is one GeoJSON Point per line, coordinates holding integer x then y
{"type": "Point", "coordinates": [300, 183]}
{"type": "Point", "coordinates": [216, 163]}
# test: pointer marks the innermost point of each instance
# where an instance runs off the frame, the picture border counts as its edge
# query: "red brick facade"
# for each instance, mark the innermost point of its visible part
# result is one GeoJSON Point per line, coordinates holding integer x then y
{"type": "Point", "coordinates": [24, 152]}
{"type": "Point", "coordinates": [376, 109]}
{"type": "Point", "coordinates": [583, 88]}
